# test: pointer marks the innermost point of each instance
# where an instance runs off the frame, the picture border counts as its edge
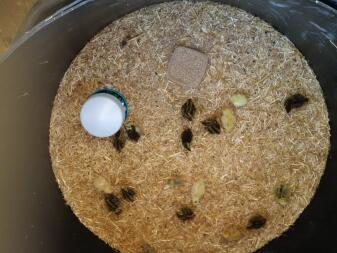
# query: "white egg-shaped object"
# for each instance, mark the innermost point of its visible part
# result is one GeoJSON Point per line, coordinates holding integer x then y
{"type": "Point", "coordinates": [102, 115]}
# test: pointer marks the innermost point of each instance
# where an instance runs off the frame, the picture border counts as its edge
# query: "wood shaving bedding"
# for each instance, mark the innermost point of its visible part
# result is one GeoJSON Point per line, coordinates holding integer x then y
{"type": "Point", "coordinates": [241, 169]}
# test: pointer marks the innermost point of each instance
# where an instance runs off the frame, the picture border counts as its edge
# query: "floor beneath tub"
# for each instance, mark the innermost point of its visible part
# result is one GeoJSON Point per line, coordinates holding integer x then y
{"type": "Point", "coordinates": [12, 14]}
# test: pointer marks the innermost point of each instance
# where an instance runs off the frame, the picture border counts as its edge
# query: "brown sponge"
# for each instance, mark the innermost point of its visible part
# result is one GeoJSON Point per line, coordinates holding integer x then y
{"type": "Point", "coordinates": [187, 67]}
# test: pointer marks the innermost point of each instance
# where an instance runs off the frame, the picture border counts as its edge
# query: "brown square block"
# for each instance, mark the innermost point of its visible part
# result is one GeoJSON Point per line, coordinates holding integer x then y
{"type": "Point", "coordinates": [187, 67]}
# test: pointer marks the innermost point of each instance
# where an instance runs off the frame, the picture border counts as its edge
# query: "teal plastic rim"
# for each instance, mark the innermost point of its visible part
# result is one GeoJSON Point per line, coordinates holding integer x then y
{"type": "Point", "coordinates": [117, 95]}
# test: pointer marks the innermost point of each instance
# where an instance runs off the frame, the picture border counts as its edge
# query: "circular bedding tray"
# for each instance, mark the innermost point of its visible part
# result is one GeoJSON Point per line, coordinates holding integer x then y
{"type": "Point", "coordinates": [192, 182]}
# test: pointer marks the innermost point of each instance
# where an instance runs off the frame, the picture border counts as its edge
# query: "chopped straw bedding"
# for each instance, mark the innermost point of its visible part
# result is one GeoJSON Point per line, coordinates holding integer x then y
{"type": "Point", "coordinates": [245, 172]}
